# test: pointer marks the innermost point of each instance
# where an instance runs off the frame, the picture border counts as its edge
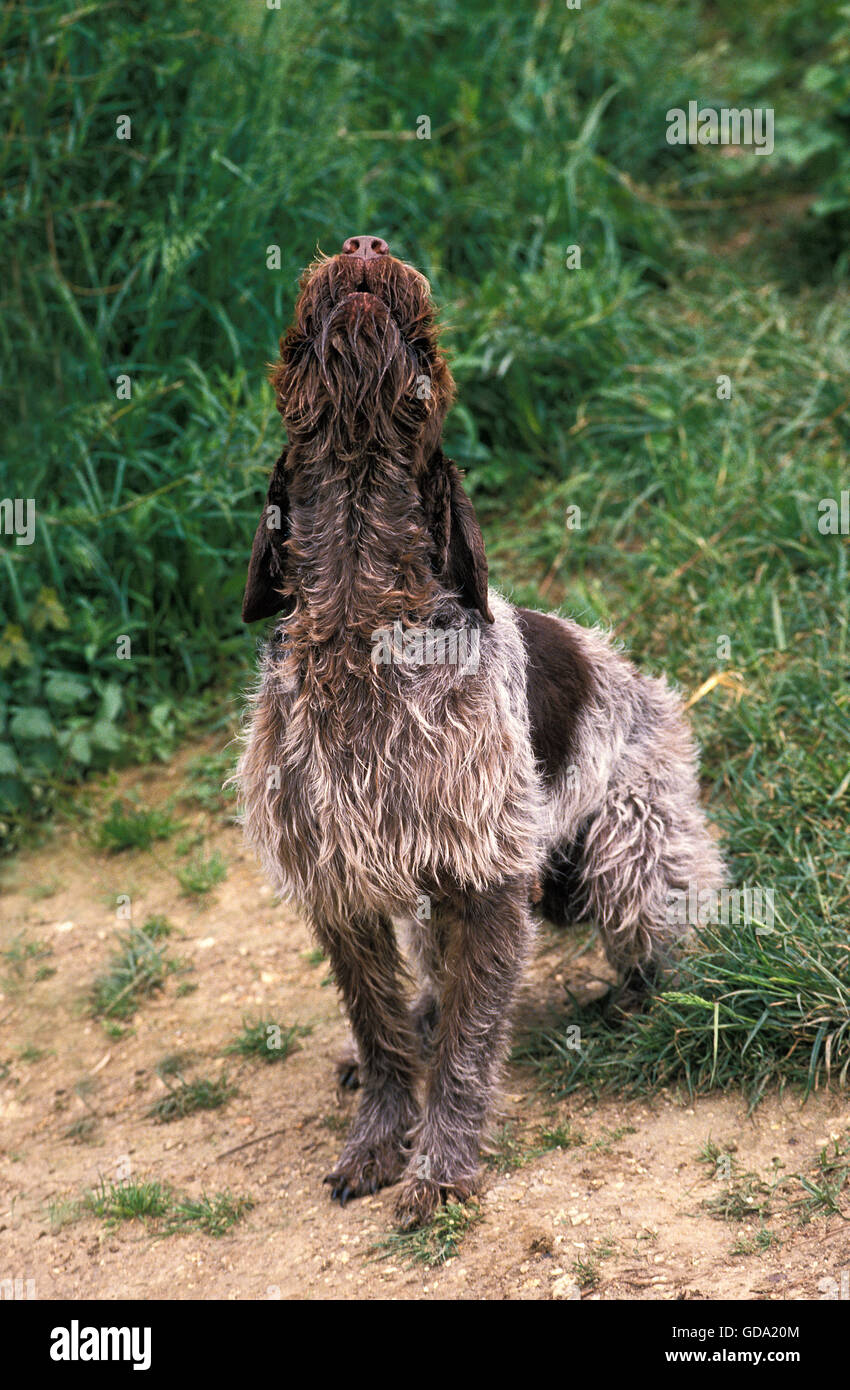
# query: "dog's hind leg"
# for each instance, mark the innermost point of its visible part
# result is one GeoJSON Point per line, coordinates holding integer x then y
{"type": "Point", "coordinates": [488, 938]}
{"type": "Point", "coordinates": [368, 969]}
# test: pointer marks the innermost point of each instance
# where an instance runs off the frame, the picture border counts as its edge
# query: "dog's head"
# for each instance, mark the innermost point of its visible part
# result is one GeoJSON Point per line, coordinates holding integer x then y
{"type": "Point", "coordinates": [360, 372]}
{"type": "Point", "coordinates": [361, 362]}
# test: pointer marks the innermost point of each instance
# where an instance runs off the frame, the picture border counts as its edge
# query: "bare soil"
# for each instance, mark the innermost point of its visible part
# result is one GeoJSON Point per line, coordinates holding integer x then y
{"type": "Point", "coordinates": [622, 1215]}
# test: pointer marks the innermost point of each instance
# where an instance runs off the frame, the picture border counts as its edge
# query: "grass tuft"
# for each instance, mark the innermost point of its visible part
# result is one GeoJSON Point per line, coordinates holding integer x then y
{"type": "Point", "coordinates": [202, 873]}
{"type": "Point", "coordinates": [434, 1244]}
{"type": "Point", "coordinates": [185, 1097]}
{"type": "Point", "coordinates": [19, 955]}
{"type": "Point", "coordinates": [269, 1041]}
{"type": "Point", "coordinates": [158, 1206]}
{"type": "Point", "coordinates": [214, 1215]}
{"type": "Point", "coordinates": [128, 1201]}
{"type": "Point", "coordinates": [136, 971]}
{"type": "Point", "coordinates": [133, 827]}
{"type": "Point", "coordinates": [752, 1010]}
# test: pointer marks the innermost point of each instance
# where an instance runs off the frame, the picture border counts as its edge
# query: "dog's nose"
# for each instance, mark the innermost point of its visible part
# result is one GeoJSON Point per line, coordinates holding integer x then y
{"type": "Point", "coordinates": [368, 247]}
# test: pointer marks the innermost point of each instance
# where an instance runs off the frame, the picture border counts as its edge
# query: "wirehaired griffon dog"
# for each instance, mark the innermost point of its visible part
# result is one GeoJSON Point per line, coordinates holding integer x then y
{"type": "Point", "coordinates": [385, 783]}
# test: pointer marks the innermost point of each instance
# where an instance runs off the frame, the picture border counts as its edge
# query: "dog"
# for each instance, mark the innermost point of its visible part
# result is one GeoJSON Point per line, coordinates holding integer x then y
{"type": "Point", "coordinates": [386, 785]}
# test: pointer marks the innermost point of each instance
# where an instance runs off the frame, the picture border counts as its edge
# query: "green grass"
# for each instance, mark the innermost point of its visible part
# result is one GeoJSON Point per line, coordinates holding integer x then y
{"type": "Point", "coordinates": [751, 1011]}
{"type": "Point", "coordinates": [434, 1244]}
{"type": "Point", "coordinates": [48, 889]}
{"type": "Point", "coordinates": [507, 1151]}
{"type": "Point", "coordinates": [185, 1097]}
{"type": "Point", "coordinates": [586, 1267]}
{"type": "Point", "coordinates": [825, 1185]}
{"type": "Point", "coordinates": [759, 1244]}
{"type": "Point", "coordinates": [213, 1215]}
{"type": "Point", "coordinates": [592, 388]}
{"type": "Point", "coordinates": [561, 1137]}
{"type": "Point", "coordinates": [819, 1189]}
{"type": "Point", "coordinates": [137, 970]}
{"type": "Point", "coordinates": [19, 956]}
{"type": "Point", "coordinates": [742, 1197]}
{"type": "Point", "coordinates": [157, 927]}
{"type": "Point", "coordinates": [63, 1212]}
{"type": "Point", "coordinates": [269, 1041]}
{"type": "Point", "coordinates": [128, 1201]}
{"type": "Point", "coordinates": [206, 782]}
{"type": "Point", "coordinates": [512, 1146]}
{"type": "Point", "coordinates": [159, 1207]}
{"type": "Point", "coordinates": [202, 873]}
{"type": "Point", "coordinates": [133, 827]}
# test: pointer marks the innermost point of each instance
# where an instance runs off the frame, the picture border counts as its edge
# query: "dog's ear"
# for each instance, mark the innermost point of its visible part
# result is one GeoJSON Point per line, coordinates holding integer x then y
{"type": "Point", "coordinates": [267, 566]}
{"type": "Point", "coordinates": [460, 559]}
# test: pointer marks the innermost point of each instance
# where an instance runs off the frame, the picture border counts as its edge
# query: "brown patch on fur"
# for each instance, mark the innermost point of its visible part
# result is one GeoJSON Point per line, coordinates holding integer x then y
{"type": "Point", "coordinates": [560, 685]}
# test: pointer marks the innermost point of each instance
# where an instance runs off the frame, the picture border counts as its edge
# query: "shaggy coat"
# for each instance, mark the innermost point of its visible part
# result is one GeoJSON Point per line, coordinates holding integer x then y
{"type": "Point", "coordinates": [385, 783]}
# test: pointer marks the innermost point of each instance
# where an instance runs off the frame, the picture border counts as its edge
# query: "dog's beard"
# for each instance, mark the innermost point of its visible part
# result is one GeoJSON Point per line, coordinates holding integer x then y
{"type": "Point", "coordinates": [360, 369]}
{"type": "Point", "coordinates": [358, 383]}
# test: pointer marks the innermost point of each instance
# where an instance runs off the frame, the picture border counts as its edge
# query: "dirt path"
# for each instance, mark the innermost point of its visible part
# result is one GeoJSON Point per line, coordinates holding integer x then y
{"type": "Point", "coordinates": [619, 1214]}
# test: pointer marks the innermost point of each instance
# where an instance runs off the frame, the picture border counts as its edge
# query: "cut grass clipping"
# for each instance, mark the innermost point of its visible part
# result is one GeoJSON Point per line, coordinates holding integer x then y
{"type": "Point", "coordinates": [435, 1243]}
{"type": "Point", "coordinates": [270, 1041]}
{"type": "Point", "coordinates": [169, 1212]}
{"type": "Point", "coordinates": [136, 971]}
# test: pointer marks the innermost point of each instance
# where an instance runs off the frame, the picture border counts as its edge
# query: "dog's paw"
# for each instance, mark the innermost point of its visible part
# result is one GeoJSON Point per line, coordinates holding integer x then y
{"type": "Point", "coordinates": [365, 1169]}
{"type": "Point", "coordinates": [420, 1198]}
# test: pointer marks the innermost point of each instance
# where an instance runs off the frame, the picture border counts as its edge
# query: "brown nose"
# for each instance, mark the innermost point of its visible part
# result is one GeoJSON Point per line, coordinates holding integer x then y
{"type": "Point", "coordinates": [368, 247]}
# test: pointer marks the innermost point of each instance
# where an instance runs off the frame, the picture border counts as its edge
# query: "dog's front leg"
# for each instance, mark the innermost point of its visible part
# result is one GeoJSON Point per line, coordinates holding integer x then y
{"type": "Point", "coordinates": [489, 938]}
{"type": "Point", "coordinates": [368, 970]}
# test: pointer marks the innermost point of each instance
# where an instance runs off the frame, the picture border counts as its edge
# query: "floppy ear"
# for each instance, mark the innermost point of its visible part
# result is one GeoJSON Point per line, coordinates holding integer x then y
{"type": "Point", "coordinates": [267, 566]}
{"type": "Point", "coordinates": [460, 560]}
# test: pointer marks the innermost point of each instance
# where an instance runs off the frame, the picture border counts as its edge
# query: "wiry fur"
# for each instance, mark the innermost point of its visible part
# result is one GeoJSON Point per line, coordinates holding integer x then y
{"type": "Point", "coordinates": [437, 785]}
{"type": "Point", "coordinates": [438, 794]}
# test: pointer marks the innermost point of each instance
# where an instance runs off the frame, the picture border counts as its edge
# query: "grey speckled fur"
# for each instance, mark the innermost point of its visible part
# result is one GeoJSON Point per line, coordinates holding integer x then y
{"type": "Point", "coordinates": [445, 796]}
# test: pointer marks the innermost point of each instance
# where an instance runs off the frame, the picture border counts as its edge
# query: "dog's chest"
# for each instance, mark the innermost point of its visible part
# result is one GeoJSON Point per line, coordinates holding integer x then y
{"type": "Point", "coordinates": [371, 799]}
